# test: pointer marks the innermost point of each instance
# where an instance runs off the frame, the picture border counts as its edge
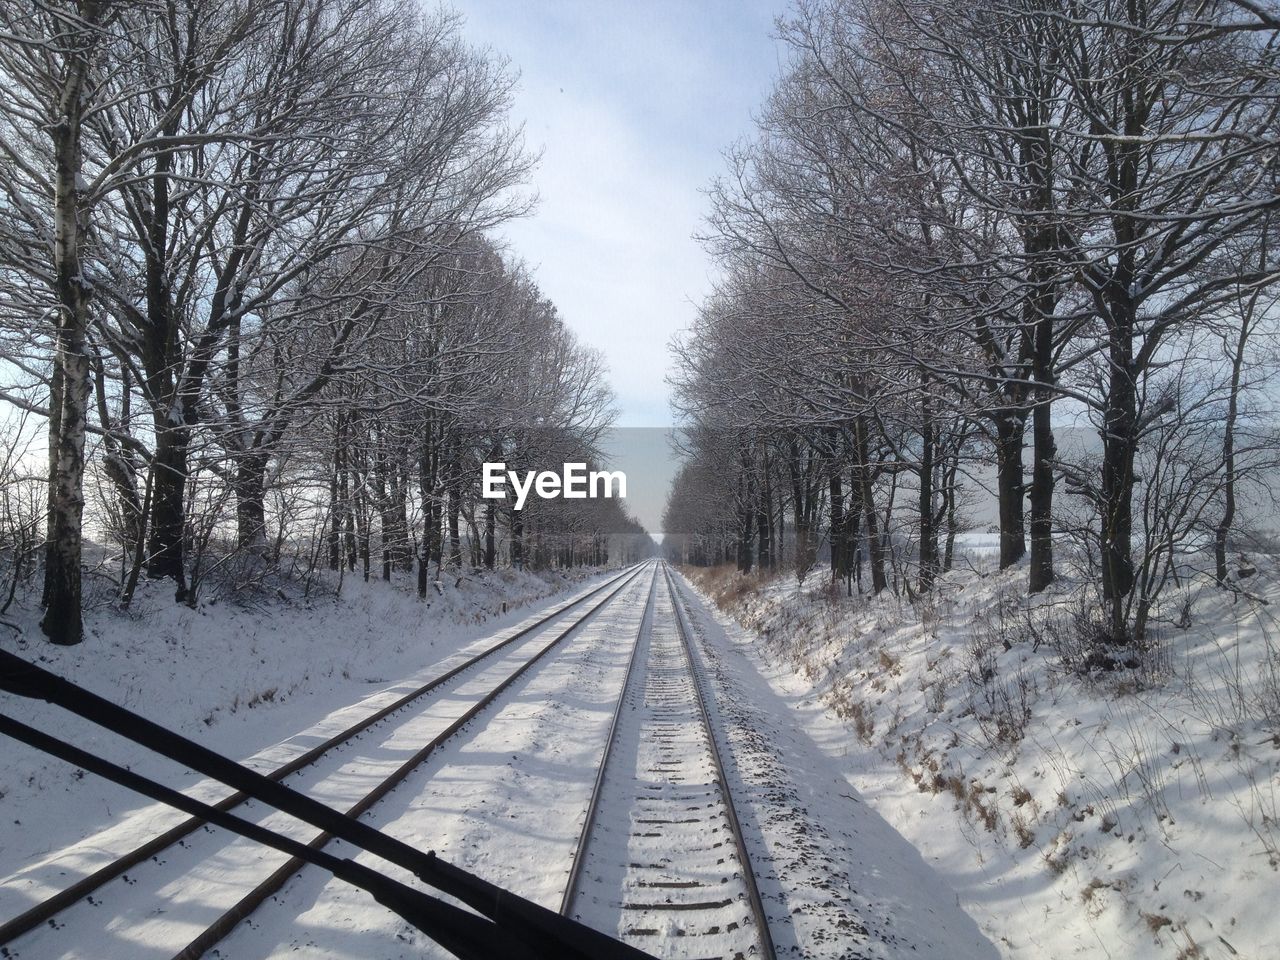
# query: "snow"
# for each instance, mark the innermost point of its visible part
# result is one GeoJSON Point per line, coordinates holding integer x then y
{"type": "Point", "coordinates": [838, 880]}
{"type": "Point", "coordinates": [239, 677]}
{"type": "Point", "coordinates": [506, 796]}
{"type": "Point", "coordinates": [929, 780]}
{"type": "Point", "coordinates": [1128, 814]}
{"type": "Point", "coordinates": [500, 801]}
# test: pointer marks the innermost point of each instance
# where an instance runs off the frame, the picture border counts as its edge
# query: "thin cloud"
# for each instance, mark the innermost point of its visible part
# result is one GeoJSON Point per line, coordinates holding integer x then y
{"type": "Point", "coordinates": [631, 105]}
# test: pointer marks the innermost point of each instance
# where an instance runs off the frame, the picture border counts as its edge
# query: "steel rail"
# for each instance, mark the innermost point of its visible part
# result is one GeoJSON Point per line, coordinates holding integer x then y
{"type": "Point", "coordinates": [768, 951]}
{"type": "Point", "coordinates": [593, 805]}
{"type": "Point", "coordinates": [51, 906]}
{"type": "Point", "coordinates": [572, 888]}
{"type": "Point", "coordinates": [231, 918]}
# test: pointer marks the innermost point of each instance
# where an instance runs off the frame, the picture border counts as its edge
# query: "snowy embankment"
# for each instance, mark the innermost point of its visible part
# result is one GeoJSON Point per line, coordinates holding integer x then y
{"type": "Point", "coordinates": [237, 675]}
{"type": "Point", "coordinates": [1126, 813]}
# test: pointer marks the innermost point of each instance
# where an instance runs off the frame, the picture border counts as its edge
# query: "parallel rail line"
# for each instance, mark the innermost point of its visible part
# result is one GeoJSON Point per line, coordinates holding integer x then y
{"type": "Point", "coordinates": [593, 805]}
{"type": "Point", "coordinates": [753, 890]}
{"type": "Point", "coordinates": [47, 909]}
{"type": "Point", "coordinates": [230, 919]}
{"type": "Point", "coordinates": [660, 808]}
{"type": "Point", "coordinates": [674, 686]}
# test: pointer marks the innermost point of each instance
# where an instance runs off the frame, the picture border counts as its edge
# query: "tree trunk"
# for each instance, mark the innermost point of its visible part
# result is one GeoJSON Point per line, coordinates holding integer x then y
{"type": "Point", "coordinates": [1044, 453]}
{"type": "Point", "coordinates": [172, 399]}
{"type": "Point", "coordinates": [1010, 429]}
{"type": "Point", "coordinates": [801, 509]}
{"type": "Point", "coordinates": [853, 534]}
{"type": "Point", "coordinates": [251, 514]}
{"type": "Point", "coordinates": [428, 472]}
{"type": "Point", "coordinates": [1120, 412]}
{"type": "Point", "coordinates": [62, 618]}
{"type": "Point", "coordinates": [118, 463]}
{"type": "Point", "coordinates": [386, 509]}
{"type": "Point", "coordinates": [780, 532]}
{"type": "Point", "coordinates": [455, 538]}
{"type": "Point", "coordinates": [1222, 532]}
{"type": "Point", "coordinates": [56, 381]}
{"type": "Point", "coordinates": [1118, 449]}
{"type": "Point", "coordinates": [435, 531]}
{"type": "Point", "coordinates": [424, 568]}
{"type": "Point", "coordinates": [335, 502]}
{"type": "Point", "coordinates": [928, 536]}
{"type": "Point", "coordinates": [364, 529]}
{"type": "Point", "coordinates": [490, 538]}
{"type": "Point", "coordinates": [839, 556]}
{"type": "Point", "coordinates": [764, 548]}
{"type": "Point", "coordinates": [166, 559]}
{"type": "Point", "coordinates": [875, 549]}
{"type": "Point", "coordinates": [764, 518]}
{"type": "Point", "coordinates": [949, 507]}
{"type": "Point", "coordinates": [403, 551]}
{"type": "Point", "coordinates": [62, 622]}
{"type": "Point", "coordinates": [349, 519]}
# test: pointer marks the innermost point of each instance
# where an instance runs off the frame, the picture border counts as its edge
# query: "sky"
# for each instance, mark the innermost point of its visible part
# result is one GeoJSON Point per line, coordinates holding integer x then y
{"type": "Point", "coordinates": [631, 105]}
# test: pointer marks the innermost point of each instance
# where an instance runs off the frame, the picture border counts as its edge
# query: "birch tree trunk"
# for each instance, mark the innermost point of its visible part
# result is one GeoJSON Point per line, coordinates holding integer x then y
{"type": "Point", "coordinates": [62, 622]}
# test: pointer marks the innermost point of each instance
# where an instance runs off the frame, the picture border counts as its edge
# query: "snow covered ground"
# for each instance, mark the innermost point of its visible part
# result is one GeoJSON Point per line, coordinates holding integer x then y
{"type": "Point", "coordinates": [837, 879]}
{"type": "Point", "coordinates": [505, 797]}
{"type": "Point", "coordinates": [238, 676]}
{"type": "Point", "coordinates": [1131, 814]}
{"type": "Point", "coordinates": [497, 800]}
{"type": "Point", "coordinates": [925, 781]}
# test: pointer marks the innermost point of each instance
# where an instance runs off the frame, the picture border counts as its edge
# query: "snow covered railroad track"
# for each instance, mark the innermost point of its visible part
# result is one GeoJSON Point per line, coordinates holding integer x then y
{"type": "Point", "coordinates": [662, 861]}
{"type": "Point", "coordinates": [163, 894]}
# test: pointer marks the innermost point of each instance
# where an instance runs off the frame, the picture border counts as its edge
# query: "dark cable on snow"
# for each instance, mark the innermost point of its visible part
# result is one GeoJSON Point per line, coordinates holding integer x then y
{"type": "Point", "coordinates": [463, 934]}
{"type": "Point", "coordinates": [41, 912]}
{"type": "Point", "coordinates": [541, 929]}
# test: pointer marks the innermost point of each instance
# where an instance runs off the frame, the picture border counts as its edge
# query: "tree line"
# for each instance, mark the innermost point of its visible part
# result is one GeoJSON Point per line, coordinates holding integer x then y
{"type": "Point", "coordinates": [247, 278]}
{"type": "Point", "coordinates": [960, 228]}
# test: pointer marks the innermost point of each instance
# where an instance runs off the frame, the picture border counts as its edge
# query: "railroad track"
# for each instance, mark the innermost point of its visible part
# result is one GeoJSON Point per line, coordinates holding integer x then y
{"type": "Point", "coordinates": [661, 860]}
{"type": "Point", "coordinates": [174, 842]}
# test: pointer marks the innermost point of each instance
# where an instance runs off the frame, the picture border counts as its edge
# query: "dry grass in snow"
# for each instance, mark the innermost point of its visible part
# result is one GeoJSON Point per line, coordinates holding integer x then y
{"type": "Point", "coordinates": [1082, 801]}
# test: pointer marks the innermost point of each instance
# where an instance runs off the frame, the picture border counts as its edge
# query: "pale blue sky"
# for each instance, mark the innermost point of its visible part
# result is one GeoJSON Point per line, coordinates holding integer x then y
{"type": "Point", "coordinates": [631, 104]}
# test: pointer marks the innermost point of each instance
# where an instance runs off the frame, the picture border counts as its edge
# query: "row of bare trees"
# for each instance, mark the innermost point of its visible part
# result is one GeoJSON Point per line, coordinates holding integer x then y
{"type": "Point", "coordinates": [243, 257]}
{"type": "Point", "coordinates": [960, 229]}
